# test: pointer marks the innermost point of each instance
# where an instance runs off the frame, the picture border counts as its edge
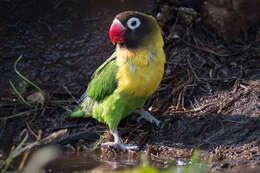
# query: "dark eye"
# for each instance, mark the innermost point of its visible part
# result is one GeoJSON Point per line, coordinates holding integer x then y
{"type": "Point", "coordinates": [133, 23]}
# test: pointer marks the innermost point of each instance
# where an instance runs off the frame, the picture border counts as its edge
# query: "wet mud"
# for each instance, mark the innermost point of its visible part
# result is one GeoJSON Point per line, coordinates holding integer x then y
{"type": "Point", "coordinates": [208, 99]}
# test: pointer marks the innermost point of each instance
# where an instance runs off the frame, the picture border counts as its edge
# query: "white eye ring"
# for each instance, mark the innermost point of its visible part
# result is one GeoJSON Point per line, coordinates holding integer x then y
{"type": "Point", "coordinates": [133, 23]}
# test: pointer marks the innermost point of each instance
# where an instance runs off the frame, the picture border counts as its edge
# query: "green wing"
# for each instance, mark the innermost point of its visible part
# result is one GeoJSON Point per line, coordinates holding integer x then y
{"type": "Point", "coordinates": [103, 83]}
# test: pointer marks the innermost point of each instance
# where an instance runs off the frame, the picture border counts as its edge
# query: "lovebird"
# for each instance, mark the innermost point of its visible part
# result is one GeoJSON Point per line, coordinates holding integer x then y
{"type": "Point", "coordinates": [123, 83]}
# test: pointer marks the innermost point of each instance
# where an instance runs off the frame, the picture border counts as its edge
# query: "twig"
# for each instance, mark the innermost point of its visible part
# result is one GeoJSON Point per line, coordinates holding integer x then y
{"type": "Point", "coordinates": [226, 104]}
{"type": "Point", "coordinates": [18, 114]}
{"type": "Point", "coordinates": [101, 139]}
{"type": "Point", "coordinates": [19, 150]}
{"type": "Point", "coordinates": [179, 100]}
{"type": "Point", "coordinates": [7, 104]}
{"type": "Point", "coordinates": [30, 130]}
{"type": "Point", "coordinates": [39, 136]}
{"type": "Point", "coordinates": [7, 162]}
{"type": "Point", "coordinates": [68, 91]}
{"type": "Point", "coordinates": [205, 49]}
{"type": "Point", "coordinates": [25, 158]}
{"type": "Point", "coordinates": [168, 77]}
{"type": "Point", "coordinates": [182, 100]}
{"type": "Point", "coordinates": [218, 133]}
{"type": "Point", "coordinates": [62, 101]}
{"type": "Point", "coordinates": [46, 140]}
{"type": "Point", "coordinates": [193, 71]}
{"type": "Point", "coordinates": [216, 79]}
{"type": "Point", "coordinates": [10, 158]}
{"type": "Point", "coordinates": [195, 109]}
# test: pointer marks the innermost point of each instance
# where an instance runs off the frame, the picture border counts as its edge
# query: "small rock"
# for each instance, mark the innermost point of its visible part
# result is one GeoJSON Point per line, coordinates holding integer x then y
{"type": "Point", "coordinates": [36, 97]}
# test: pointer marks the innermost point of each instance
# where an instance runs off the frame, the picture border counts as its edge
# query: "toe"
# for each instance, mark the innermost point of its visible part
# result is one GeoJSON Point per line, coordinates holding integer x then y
{"type": "Point", "coordinates": [157, 123]}
{"type": "Point", "coordinates": [108, 143]}
{"type": "Point", "coordinates": [128, 147]}
{"type": "Point", "coordinates": [120, 145]}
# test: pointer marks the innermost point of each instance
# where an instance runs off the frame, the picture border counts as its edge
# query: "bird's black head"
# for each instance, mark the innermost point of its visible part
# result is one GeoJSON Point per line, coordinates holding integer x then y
{"type": "Point", "coordinates": [130, 29]}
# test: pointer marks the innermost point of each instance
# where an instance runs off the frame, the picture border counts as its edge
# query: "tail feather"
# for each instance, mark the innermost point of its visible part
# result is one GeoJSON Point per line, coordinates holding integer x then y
{"type": "Point", "coordinates": [82, 98]}
{"type": "Point", "coordinates": [78, 113]}
{"type": "Point", "coordinates": [86, 106]}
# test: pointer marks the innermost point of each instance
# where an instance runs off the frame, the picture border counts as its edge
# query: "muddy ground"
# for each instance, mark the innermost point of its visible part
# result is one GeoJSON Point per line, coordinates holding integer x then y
{"type": "Point", "coordinates": [209, 98]}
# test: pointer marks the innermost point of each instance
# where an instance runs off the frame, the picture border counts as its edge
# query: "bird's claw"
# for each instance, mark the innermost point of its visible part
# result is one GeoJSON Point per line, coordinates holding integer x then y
{"type": "Point", "coordinates": [124, 147]}
{"type": "Point", "coordinates": [148, 117]}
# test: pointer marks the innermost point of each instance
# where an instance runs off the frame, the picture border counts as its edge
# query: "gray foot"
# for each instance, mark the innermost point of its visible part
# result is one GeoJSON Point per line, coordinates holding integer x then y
{"type": "Point", "coordinates": [147, 116]}
{"type": "Point", "coordinates": [124, 147]}
{"type": "Point", "coordinates": [117, 142]}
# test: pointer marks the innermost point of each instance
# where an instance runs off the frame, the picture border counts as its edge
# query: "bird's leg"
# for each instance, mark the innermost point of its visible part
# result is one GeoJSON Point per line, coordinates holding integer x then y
{"type": "Point", "coordinates": [147, 116]}
{"type": "Point", "coordinates": [117, 142]}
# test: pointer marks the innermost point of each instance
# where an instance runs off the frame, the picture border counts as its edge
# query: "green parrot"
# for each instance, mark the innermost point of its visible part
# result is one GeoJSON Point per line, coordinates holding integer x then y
{"type": "Point", "coordinates": [123, 83]}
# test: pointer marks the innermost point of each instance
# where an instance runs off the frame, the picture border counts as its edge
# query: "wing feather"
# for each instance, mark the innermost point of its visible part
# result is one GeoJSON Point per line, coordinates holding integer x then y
{"type": "Point", "coordinates": [103, 82]}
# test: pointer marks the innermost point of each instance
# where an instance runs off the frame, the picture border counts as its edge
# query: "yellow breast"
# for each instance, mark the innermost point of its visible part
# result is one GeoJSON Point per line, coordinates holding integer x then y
{"type": "Point", "coordinates": [140, 72]}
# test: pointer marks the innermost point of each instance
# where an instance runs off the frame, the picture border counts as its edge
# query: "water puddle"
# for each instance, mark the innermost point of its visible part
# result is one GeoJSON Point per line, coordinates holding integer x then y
{"type": "Point", "coordinates": [85, 161]}
{"type": "Point", "coordinates": [68, 163]}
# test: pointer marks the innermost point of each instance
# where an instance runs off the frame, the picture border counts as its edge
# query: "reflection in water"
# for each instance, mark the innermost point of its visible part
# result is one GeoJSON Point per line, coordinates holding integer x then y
{"type": "Point", "coordinates": [87, 160]}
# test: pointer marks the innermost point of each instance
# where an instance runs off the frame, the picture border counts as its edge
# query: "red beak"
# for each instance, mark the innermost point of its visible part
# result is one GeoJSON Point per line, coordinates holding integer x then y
{"type": "Point", "coordinates": [116, 32]}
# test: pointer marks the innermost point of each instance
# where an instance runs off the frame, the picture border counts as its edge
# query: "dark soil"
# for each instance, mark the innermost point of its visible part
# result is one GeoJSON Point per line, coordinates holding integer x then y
{"type": "Point", "coordinates": [209, 98]}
